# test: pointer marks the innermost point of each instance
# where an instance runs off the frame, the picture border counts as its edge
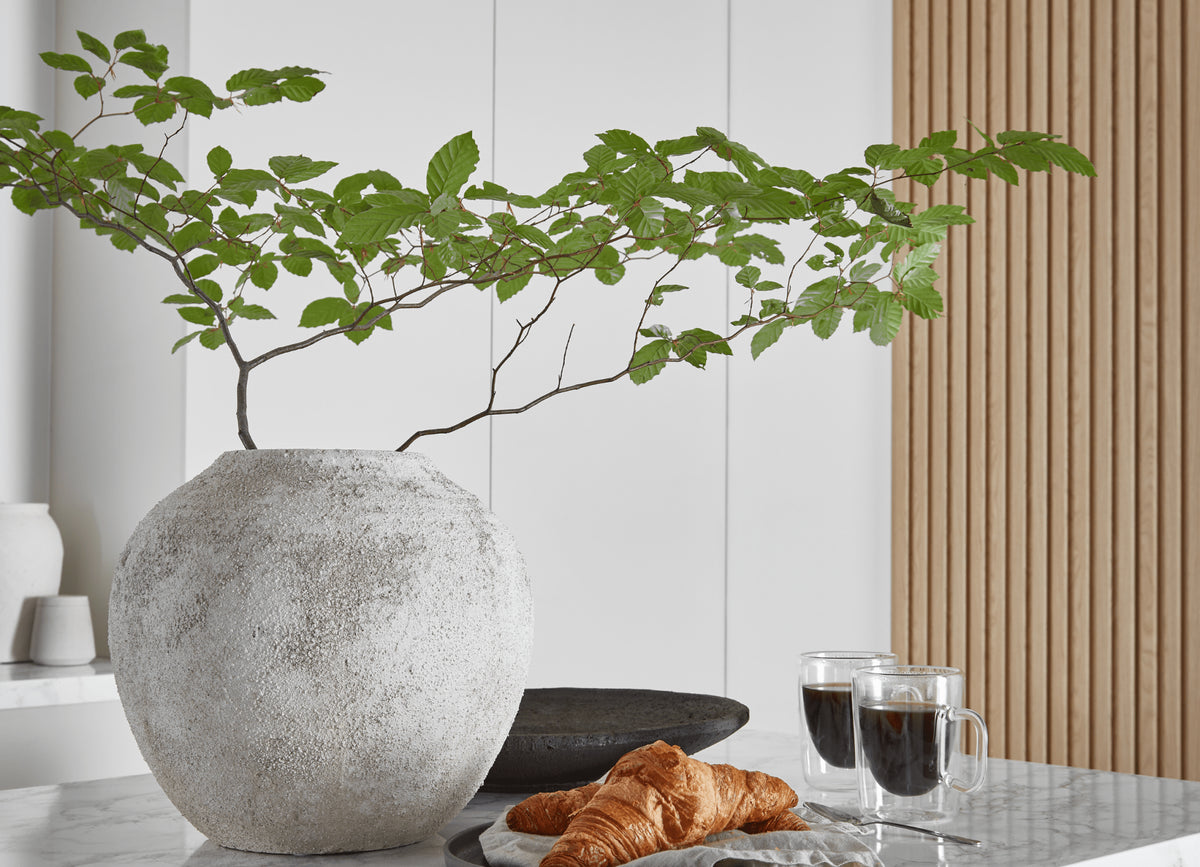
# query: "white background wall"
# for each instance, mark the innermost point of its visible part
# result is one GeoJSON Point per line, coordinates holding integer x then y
{"type": "Point", "coordinates": [691, 534]}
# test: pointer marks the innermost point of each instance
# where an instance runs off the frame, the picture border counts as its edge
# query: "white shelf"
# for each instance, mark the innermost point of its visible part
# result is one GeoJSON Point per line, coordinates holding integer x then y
{"type": "Point", "coordinates": [24, 684]}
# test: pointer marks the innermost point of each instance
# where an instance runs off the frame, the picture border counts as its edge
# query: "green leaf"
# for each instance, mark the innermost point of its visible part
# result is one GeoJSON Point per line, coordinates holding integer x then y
{"type": "Point", "coordinates": [656, 296]}
{"type": "Point", "coordinates": [301, 266]}
{"type": "Point", "coordinates": [936, 216]}
{"type": "Point", "coordinates": [654, 351]}
{"type": "Point", "coordinates": [183, 341]}
{"type": "Point", "coordinates": [765, 337]}
{"type": "Point", "coordinates": [939, 142]}
{"type": "Point", "coordinates": [301, 89]}
{"type": "Point", "coordinates": [297, 169]}
{"type": "Point", "coordinates": [510, 286]}
{"type": "Point", "coordinates": [924, 255]}
{"type": "Point", "coordinates": [1067, 157]}
{"type": "Point", "coordinates": [625, 142]}
{"type": "Point", "coordinates": [250, 311]}
{"type": "Point", "coordinates": [129, 39]}
{"type": "Point", "coordinates": [28, 200]}
{"type": "Point", "coordinates": [219, 161]}
{"type": "Point", "coordinates": [180, 299]}
{"type": "Point", "coordinates": [878, 155]}
{"type": "Point", "coordinates": [886, 317]}
{"type": "Point", "coordinates": [825, 323]}
{"type": "Point", "coordinates": [87, 85]}
{"type": "Point", "coordinates": [68, 62]}
{"type": "Point", "coordinates": [242, 180]}
{"type": "Point", "coordinates": [748, 276]}
{"type": "Point", "coordinates": [94, 45]}
{"type": "Point", "coordinates": [191, 235]}
{"type": "Point", "coordinates": [263, 274]}
{"type": "Point", "coordinates": [212, 338]}
{"type": "Point", "coordinates": [452, 165]}
{"type": "Point", "coordinates": [198, 315]}
{"type": "Point", "coordinates": [377, 224]}
{"type": "Point", "coordinates": [324, 311]}
{"type": "Point", "coordinates": [247, 78]}
{"type": "Point", "coordinates": [1000, 167]}
{"type": "Point", "coordinates": [924, 301]}
{"type": "Point", "coordinates": [610, 276]}
{"type": "Point", "coordinates": [879, 206]}
{"type": "Point", "coordinates": [862, 272]}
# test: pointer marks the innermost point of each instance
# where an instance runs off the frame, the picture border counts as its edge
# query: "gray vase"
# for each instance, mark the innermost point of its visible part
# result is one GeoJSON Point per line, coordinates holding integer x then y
{"type": "Point", "coordinates": [320, 651]}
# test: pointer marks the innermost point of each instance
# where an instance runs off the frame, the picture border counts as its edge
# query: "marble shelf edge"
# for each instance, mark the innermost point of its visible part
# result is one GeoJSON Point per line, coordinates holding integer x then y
{"type": "Point", "coordinates": [25, 684]}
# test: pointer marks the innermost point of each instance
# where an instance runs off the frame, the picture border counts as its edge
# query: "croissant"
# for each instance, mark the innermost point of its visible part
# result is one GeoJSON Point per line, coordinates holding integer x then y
{"type": "Point", "coordinates": [657, 798]}
{"type": "Point", "coordinates": [549, 813]}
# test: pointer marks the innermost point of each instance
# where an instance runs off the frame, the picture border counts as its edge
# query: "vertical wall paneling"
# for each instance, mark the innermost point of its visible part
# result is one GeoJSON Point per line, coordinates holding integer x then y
{"type": "Point", "coordinates": [1047, 454]}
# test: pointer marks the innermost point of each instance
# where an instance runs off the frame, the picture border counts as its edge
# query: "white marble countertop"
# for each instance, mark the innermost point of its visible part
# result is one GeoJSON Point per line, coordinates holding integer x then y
{"type": "Point", "coordinates": [1028, 815]}
{"type": "Point", "coordinates": [25, 684]}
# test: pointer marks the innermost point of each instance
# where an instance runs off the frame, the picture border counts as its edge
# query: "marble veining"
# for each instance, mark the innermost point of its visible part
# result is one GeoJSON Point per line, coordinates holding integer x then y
{"type": "Point", "coordinates": [1028, 815]}
{"type": "Point", "coordinates": [26, 684]}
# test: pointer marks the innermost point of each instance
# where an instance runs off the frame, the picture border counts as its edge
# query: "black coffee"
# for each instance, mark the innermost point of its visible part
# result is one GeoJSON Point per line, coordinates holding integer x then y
{"type": "Point", "coordinates": [827, 713]}
{"type": "Point", "coordinates": [900, 745]}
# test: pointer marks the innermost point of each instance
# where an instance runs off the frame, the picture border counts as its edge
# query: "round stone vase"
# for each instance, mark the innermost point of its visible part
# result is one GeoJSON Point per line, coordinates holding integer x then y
{"type": "Point", "coordinates": [31, 559]}
{"type": "Point", "coordinates": [320, 651]}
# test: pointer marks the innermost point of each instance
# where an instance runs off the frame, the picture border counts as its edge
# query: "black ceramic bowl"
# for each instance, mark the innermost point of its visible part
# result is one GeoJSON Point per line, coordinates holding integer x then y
{"type": "Point", "coordinates": [565, 736]}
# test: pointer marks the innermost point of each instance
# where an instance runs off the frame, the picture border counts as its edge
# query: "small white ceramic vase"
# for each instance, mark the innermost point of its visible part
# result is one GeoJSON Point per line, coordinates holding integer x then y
{"type": "Point", "coordinates": [62, 631]}
{"type": "Point", "coordinates": [31, 557]}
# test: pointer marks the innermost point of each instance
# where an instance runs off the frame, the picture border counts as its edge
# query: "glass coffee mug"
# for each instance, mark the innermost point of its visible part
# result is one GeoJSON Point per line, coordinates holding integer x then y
{"type": "Point", "coordinates": [825, 718]}
{"type": "Point", "coordinates": [906, 742]}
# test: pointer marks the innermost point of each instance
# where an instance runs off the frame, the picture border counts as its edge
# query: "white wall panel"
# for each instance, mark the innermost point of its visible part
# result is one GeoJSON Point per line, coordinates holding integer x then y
{"type": "Point", "coordinates": [25, 248]}
{"type": "Point", "coordinates": [809, 459]}
{"type": "Point", "coordinates": [617, 493]}
{"type": "Point", "coordinates": [403, 78]}
{"type": "Point", "coordinates": [117, 405]}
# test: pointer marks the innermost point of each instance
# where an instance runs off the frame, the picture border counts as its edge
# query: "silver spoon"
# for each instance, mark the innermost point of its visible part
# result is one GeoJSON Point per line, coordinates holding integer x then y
{"type": "Point", "coordinates": [838, 816]}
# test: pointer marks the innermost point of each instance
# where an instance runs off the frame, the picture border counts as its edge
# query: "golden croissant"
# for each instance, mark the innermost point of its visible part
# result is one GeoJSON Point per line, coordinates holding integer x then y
{"type": "Point", "coordinates": [657, 798]}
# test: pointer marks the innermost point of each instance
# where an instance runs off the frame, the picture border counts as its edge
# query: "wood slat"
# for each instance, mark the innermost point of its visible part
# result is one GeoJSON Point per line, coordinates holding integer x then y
{"type": "Point", "coordinates": [1017, 399]}
{"type": "Point", "coordinates": [1059, 389]}
{"type": "Point", "coordinates": [1125, 396]}
{"type": "Point", "coordinates": [1170, 409]}
{"type": "Point", "coordinates": [1079, 411]}
{"type": "Point", "coordinates": [996, 238]}
{"type": "Point", "coordinates": [1102, 388]}
{"type": "Point", "coordinates": [1146, 756]}
{"type": "Point", "coordinates": [1037, 689]}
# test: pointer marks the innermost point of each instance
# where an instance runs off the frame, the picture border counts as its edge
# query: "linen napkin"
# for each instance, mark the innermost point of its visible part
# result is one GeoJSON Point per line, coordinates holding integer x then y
{"type": "Point", "coordinates": [826, 845]}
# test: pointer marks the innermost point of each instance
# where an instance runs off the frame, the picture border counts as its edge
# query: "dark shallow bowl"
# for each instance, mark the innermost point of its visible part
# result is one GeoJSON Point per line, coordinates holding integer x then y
{"type": "Point", "coordinates": [566, 736]}
{"type": "Point", "coordinates": [464, 849]}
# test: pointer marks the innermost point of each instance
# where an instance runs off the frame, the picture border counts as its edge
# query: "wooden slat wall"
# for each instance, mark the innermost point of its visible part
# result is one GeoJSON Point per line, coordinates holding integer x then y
{"type": "Point", "coordinates": [1046, 467]}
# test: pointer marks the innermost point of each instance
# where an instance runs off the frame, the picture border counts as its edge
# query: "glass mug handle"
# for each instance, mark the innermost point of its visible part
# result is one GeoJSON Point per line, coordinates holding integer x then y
{"type": "Point", "coordinates": [954, 714]}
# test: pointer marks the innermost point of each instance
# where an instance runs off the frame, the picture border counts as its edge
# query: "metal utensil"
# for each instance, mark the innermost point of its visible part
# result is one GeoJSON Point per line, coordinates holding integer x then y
{"type": "Point", "coordinates": [836, 815]}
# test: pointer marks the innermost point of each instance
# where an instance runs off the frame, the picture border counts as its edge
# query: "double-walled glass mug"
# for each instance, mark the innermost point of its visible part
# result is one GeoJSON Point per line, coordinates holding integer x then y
{"type": "Point", "coordinates": [907, 737]}
{"type": "Point", "coordinates": [825, 718]}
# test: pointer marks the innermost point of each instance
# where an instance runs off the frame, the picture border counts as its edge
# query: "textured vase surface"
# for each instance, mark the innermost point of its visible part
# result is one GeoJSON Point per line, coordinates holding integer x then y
{"type": "Point", "coordinates": [31, 558]}
{"type": "Point", "coordinates": [320, 651]}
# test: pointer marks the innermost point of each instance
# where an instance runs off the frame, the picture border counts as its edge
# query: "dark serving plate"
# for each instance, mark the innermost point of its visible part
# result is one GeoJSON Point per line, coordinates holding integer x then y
{"type": "Point", "coordinates": [566, 736]}
{"type": "Point", "coordinates": [464, 850]}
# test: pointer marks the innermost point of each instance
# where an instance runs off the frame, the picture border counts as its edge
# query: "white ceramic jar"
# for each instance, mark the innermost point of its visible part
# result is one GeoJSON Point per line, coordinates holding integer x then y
{"type": "Point", "coordinates": [31, 557]}
{"type": "Point", "coordinates": [62, 631]}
